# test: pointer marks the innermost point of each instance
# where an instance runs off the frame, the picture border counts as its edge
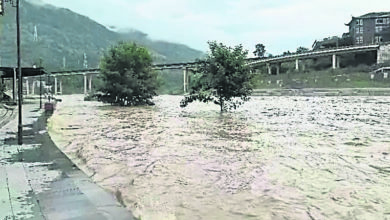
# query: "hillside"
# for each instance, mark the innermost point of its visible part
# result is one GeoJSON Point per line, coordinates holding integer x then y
{"type": "Point", "coordinates": [64, 37]}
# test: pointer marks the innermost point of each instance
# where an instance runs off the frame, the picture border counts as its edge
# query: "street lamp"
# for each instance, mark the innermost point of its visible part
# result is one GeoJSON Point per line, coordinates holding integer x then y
{"type": "Point", "coordinates": [15, 3]}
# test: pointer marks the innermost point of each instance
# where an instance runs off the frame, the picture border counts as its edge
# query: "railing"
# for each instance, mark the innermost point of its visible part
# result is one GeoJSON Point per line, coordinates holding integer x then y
{"type": "Point", "coordinates": [381, 70]}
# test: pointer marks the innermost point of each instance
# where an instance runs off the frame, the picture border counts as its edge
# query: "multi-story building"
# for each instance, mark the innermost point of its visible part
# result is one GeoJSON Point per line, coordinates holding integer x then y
{"type": "Point", "coordinates": [370, 28]}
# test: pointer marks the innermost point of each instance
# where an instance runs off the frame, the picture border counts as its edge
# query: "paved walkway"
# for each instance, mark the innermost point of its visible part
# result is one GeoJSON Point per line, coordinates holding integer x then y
{"type": "Point", "coordinates": [37, 181]}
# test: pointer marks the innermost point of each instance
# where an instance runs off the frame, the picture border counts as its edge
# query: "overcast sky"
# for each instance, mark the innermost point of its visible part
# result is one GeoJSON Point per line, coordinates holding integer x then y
{"type": "Point", "coordinates": [280, 25]}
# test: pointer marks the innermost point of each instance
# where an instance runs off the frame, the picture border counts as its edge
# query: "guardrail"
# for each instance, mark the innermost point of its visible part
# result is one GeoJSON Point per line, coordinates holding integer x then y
{"type": "Point", "coordinates": [381, 70]}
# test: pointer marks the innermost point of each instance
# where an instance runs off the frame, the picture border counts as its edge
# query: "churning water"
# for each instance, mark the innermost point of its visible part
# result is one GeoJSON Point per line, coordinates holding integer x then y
{"type": "Point", "coordinates": [273, 158]}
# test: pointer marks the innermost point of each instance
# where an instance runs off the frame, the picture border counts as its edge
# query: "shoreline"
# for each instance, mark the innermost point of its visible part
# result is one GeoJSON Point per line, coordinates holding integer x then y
{"type": "Point", "coordinates": [323, 92]}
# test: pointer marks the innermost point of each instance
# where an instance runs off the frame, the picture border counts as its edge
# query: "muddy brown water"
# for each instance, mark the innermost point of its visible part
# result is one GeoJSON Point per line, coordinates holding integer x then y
{"type": "Point", "coordinates": [273, 158]}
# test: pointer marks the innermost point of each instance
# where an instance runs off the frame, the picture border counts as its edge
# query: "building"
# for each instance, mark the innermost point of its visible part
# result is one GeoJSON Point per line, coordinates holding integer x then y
{"type": "Point", "coordinates": [371, 28]}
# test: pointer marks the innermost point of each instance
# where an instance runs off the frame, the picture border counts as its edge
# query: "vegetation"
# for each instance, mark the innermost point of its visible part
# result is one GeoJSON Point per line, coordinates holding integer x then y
{"type": "Point", "coordinates": [349, 77]}
{"type": "Point", "coordinates": [221, 78]}
{"type": "Point", "coordinates": [260, 50]}
{"type": "Point", "coordinates": [302, 49]}
{"type": "Point", "coordinates": [127, 75]}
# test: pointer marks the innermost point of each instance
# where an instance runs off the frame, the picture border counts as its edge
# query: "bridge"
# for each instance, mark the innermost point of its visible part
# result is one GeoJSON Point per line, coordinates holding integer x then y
{"type": "Point", "coordinates": [383, 55]}
{"type": "Point", "coordinates": [333, 52]}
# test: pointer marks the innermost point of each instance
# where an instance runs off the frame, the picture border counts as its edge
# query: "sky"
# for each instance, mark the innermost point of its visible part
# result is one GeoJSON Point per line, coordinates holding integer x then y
{"type": "Point", "coordinates": [280, 25]}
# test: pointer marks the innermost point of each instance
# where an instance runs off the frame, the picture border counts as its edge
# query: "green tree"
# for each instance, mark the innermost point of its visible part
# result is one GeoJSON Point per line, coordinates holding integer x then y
{"type": "Point", "coordinates": [222, 78]}
{"type": "Point", "coordinates": [302, 49]}
{"type": "Point", "coordinates": [127, 76]}
{"type": "Point", "coordinates": [260, 50]}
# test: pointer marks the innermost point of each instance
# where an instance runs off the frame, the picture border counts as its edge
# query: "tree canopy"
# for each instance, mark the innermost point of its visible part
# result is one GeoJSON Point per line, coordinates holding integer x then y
{"type": "Point", "coordinates": [223, 78]}
{"type": "Point", "coordinates": [302, 49]}
{"type": "Point", "coordinates": [128, 78]}
{"type": "Point", "coordinates": [260, 50]}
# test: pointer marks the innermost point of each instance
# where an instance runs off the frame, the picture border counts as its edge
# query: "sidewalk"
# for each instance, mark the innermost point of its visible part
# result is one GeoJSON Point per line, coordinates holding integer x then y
{"type": "Point", "coordinates": [37, 181]}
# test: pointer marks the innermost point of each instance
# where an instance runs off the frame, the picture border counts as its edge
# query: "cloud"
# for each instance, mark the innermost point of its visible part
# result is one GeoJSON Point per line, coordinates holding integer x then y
{"type": "Point", "coordinates": [279, 24]}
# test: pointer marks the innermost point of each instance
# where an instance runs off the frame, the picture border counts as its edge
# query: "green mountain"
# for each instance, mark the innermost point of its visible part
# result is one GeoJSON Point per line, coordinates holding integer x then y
{"type": "Point", "coordinates": [59, 38]}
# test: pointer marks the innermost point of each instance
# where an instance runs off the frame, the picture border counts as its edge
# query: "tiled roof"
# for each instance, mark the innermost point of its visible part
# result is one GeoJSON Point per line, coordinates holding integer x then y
{"type": "Point", "coordinates": [375, 15]}
{"type": "Point", "coordinates": [371, 15]}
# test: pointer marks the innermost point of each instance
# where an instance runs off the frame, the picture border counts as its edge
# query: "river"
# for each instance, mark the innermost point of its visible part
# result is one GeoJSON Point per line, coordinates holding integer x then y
{"type": "Point", "coordinates": [273, 158]}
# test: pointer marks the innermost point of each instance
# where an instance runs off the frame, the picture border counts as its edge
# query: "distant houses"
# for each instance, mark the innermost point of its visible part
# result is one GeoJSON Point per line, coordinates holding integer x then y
{"type": "Point", "coordinates": [371, 28]}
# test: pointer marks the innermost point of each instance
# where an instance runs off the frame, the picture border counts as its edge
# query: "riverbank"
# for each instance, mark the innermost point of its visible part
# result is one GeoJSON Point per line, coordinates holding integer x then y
{"type": "Point", "coordinates": [323, 92]}
{"type": "Point", "coordinates": [37, 181]}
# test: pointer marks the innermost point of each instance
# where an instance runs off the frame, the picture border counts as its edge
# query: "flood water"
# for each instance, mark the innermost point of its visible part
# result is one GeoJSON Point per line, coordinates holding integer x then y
{"type": "Point", "coordinates": [273, 158]}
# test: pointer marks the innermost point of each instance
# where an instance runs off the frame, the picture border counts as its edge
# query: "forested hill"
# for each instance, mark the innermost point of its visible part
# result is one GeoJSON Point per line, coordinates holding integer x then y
{"type": "Point", "coordinates": [64, 36]}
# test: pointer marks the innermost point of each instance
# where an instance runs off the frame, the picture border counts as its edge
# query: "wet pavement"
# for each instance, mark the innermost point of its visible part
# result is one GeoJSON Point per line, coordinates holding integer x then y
{"type": "Point", "coordinates": [37, 181]}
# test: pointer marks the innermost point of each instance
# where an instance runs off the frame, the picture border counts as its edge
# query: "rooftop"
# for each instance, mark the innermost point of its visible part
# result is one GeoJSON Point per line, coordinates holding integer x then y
{"type": "Point", "coordinates": [370, 15]}
{"type": "Point", "coordinates": [8, 72]}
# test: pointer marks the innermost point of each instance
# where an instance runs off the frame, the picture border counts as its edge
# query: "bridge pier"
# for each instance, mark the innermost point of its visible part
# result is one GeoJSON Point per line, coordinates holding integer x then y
{"type": "Point", "coordinates": [61, 85]}
{"type": "Point", "coordinates": [33, 88]}
{"type": "Point", "coordinates": [297, 64]}
{"type": "Point", "coordinates": [185, 79]}
{"type": "Point", "coordinates": [278, 67]}
{"type": "Point", "coordinates": [334, 57]}
{"type": "Point", "coordinates": [338, 60]}
{"type": "Point", "coordinates": [55, 86]}
{"type": "Point", "coordinates": [85, 84]}
{"type": "Point", "coordinates": [90, 83]}
{"type": "Point", "coordinates": [27, 87]}
{"type": "Point", "coordinates": [269, 69]}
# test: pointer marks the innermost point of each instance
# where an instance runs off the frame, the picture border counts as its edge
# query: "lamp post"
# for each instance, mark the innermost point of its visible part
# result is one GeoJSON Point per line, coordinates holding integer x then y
{"type": "Point", "coordinates": [20, 88]}
{"type": "Point", "coordinates": [20, 84]}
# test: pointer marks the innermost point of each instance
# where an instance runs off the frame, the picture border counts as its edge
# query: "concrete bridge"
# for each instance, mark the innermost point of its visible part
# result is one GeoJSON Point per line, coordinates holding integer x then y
{"type": "Point", "coordinates": [383, 55]}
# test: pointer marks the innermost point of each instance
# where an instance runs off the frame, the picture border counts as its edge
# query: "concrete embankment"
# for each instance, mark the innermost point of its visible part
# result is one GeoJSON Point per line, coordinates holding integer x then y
{"type": "Point", "coordinates": [38, 181]}
{"type": "Point", "coordinates": [323, 92]}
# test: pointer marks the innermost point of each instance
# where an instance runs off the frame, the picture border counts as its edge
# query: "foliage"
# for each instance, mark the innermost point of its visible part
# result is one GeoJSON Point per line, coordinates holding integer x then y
{"type": "Point", "coordinates": [350, 77]}
{"type": "Point", "coordinates": [260, 50]}
{"type": "Point", "coordinates": [302, 49]}
{"type": "Point", "coordinates": [221, 77]}
{"type": "Point", "coordinates": [127, 75]}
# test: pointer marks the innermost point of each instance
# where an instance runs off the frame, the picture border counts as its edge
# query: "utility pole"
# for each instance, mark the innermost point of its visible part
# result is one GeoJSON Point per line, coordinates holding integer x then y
{"type": "Point", "coordinates": [40, 91]}
{"type": "Point", "coordinates": [20, 88]}
{"type": "Point", "coordinates": [20, 84]}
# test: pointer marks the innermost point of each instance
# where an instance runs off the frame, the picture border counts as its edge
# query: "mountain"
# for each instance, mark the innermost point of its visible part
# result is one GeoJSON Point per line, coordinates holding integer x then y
{"type": "Point", "coordinates": [58, 37]}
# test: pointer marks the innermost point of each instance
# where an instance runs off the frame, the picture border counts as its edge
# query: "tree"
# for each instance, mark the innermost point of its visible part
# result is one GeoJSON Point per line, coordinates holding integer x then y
{"type": "Point", "coordinates": [223, 76]}
{"type": "Point", "coordinates": [127, 75]}
{"type": "Point", "coordinates": [302, 49]}
{"type": "Point", "coordinates": [286, 53]}
{"type": "Point", "coordinates": [260, 50]}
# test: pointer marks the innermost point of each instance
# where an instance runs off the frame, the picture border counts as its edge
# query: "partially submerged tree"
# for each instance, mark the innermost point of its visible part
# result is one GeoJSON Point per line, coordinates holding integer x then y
{"type": "Point", "coordinates": [128, 78]}
{"type": "Point", "coordinates": [260, 50]}
{"type": "Point", "coordinates": [223, 78]}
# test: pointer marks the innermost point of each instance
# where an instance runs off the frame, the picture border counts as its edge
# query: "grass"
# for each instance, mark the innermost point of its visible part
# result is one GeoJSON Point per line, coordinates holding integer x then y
{"type": "Point", "coordinates": [338, 78]}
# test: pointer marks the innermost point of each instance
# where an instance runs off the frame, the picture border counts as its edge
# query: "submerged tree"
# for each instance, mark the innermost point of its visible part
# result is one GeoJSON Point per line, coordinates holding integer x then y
{"type": "Point", "coordinates": [128, 78]}
{"type": "Point", "coordinates": [223, 78]}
